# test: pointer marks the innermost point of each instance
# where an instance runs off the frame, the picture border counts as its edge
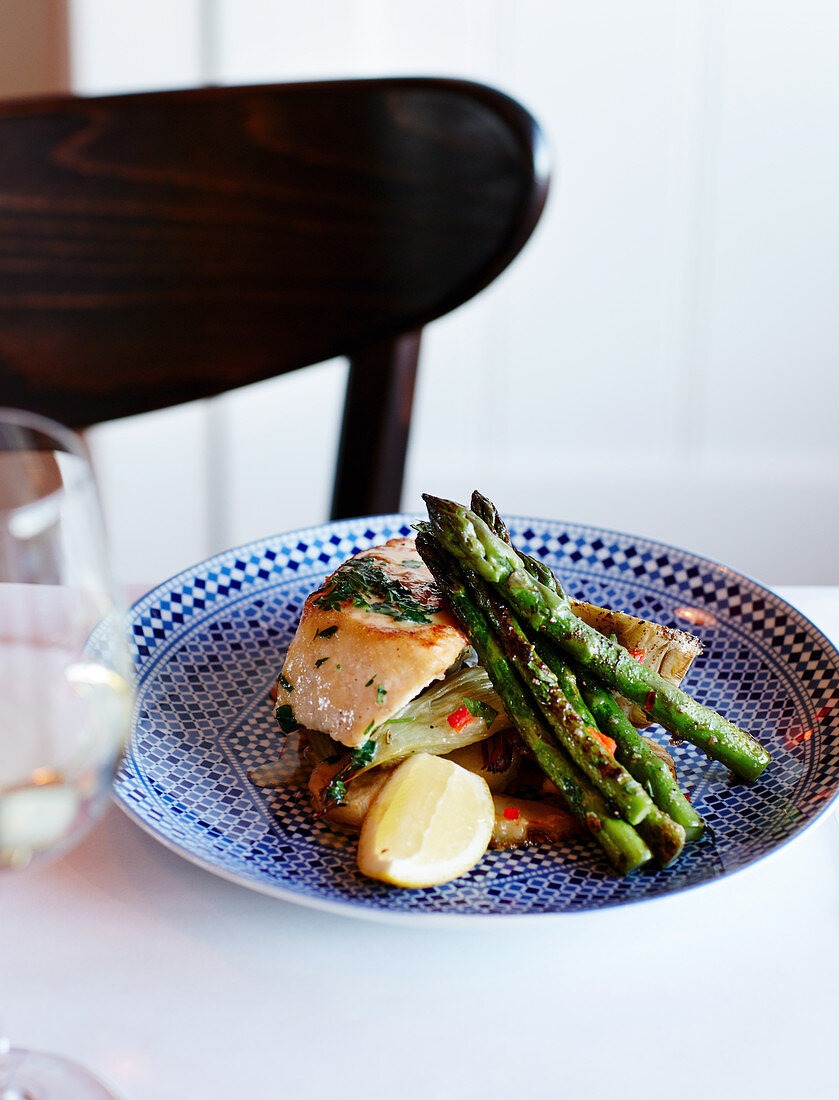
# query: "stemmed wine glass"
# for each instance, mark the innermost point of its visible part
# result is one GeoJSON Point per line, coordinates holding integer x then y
{"type": "Point", "coordinates": [65, 682]}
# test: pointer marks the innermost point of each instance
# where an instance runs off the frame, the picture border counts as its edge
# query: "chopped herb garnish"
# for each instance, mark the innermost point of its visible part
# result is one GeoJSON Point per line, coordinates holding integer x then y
{"type": "Point", "coordinates": [370, 681]}
{"type": "Point", "coordinates": [412, 564]}
{"type": "Point", "coordinates": [381, 692]}
{"type": "Point", "coordinates": [336, 791]}
{"type": "Point", "coordinates": [281, 680]}
{"type": "Point", "coordinates": [359, 758]}
{"type": "Point", "coordinates": [285, 717]}
{"type": "Point", "coordinates": [481, 710]}
{"type": "Point", "coordinates": [337, 666]}
{"type": "Point", "coordinates": [362, 756]}
{"type": "Point", "coordinates": [327, 632]}
{"type": "Point", "coordinates": [321, 661]}
{"type": "Point", "coordinates": [363, 583]}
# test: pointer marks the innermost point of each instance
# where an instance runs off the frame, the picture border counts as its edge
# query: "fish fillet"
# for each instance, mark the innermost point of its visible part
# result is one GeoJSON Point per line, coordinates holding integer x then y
{"type": "Point", "coordinates": [355, 662]}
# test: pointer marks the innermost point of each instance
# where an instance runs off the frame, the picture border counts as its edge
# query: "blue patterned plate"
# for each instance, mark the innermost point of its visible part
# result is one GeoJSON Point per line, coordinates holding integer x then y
{"type": "Point", "coordinates": [211, 640]}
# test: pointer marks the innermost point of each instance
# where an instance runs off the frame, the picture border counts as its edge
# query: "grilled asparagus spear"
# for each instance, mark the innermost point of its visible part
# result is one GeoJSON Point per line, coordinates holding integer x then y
{"type": "Point", "coordinates": [635, 754]}
{"type": "Point", "coordinates": [471, 542]}
{"type": "Point", "coordinates": [621, 843]}
{"type": "Point", "coordinates": [664, 649]}
{"type": "Point", "coordinates": [600, 707]}
{"type": "Point", "coordinates": [569, 728]}
{"type": "Point", "coordinates": [664, 834]}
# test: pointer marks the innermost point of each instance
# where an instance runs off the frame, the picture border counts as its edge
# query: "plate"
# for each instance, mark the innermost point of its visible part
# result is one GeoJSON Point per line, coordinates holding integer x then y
{"type": "Point", "coordinates": [210, 642]}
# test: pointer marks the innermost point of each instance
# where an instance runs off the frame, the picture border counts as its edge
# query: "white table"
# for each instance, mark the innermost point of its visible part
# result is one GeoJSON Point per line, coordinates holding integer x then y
{"type": "Point", "coordinates": [176, 985]}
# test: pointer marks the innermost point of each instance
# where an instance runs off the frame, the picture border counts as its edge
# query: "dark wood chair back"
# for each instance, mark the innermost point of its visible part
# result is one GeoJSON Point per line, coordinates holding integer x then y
{"type": "Point", "coordinates": [163, 247]}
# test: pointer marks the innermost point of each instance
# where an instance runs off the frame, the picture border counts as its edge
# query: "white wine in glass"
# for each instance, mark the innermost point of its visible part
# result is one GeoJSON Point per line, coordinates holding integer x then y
{"type": "Point", "coordinates": [65, 683]}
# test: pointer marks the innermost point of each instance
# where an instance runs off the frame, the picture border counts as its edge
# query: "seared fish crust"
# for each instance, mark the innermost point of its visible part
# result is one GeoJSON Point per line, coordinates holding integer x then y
{"type": "Point", "coordinates": [370, 639]}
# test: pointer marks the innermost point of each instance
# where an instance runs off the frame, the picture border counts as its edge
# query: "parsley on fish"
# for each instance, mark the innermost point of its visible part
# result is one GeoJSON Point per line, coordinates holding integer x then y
{"type": "Point", "coordinates": [363, 583]}
{"type": "Point", "coordinates": [285, 717]}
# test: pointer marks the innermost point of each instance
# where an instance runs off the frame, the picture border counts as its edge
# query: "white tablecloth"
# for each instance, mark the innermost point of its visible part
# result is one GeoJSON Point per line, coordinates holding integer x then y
{"type": "Point", "coordinates": [176, 985]}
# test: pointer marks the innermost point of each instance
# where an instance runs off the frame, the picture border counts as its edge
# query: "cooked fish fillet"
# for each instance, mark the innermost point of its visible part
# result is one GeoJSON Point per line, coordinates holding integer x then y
{"type": "Point", "coordinates": [369, 641]}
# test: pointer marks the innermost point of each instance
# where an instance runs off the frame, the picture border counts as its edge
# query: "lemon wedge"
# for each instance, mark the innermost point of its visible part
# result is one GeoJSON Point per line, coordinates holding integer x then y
{"type": "Point", "coordinates": [431, 822]}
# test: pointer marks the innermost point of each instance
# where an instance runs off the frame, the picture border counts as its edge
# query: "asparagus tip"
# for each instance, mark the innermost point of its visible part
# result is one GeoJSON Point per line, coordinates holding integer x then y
{"type": "Point", "coordinates": [439, 507]}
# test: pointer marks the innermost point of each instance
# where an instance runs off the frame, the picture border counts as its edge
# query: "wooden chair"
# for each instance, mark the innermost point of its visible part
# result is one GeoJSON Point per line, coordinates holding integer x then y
{"type": "Point", "coordinates": [163, 247]}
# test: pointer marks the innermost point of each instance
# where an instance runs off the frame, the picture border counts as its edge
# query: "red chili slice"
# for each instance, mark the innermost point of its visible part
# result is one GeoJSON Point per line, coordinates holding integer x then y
{"type": "Point", "coordinates": [608, 743]}
{"type": "Point", "coordinates": [459, 719]}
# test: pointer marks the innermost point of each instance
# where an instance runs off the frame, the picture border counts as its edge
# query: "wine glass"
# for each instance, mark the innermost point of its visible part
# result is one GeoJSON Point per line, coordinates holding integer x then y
{"type": "Point", "coordinates": [65, 682]}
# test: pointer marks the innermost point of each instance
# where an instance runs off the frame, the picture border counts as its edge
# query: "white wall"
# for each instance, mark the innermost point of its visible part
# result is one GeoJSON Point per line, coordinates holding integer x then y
{"type": "Point", "coordinates": [662, 358]}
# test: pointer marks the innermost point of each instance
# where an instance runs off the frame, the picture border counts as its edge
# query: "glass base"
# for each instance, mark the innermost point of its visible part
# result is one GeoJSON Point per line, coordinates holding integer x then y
{"type": "Point", "coordinates": [32, 1075]}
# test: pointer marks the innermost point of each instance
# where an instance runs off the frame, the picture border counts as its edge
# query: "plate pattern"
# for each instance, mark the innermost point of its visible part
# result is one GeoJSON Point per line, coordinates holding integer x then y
{"type": "Point", "coordinates": [210, 641]}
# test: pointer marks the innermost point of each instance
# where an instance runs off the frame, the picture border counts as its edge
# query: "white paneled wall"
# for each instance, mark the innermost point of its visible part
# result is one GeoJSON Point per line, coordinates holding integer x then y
{"type": "Point", "coordinates": [663, 356]}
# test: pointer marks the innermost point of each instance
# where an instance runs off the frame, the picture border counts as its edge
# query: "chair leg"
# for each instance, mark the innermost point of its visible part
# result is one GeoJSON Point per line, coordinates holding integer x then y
{"type": "Point", "coordinates": [374, 433]}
